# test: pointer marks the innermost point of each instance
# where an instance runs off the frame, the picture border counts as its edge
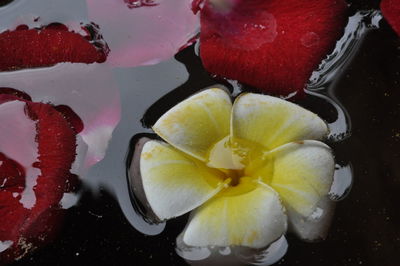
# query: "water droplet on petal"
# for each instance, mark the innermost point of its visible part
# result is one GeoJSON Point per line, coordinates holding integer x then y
{"type": "Point", "coordinates": [310, 39]}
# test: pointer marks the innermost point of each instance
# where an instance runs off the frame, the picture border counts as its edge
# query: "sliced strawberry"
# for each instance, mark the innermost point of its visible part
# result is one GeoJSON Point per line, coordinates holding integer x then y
{"type": "Point", "coordinates": [27, 228]}
{"type": "Point", "coordinates": [25, 48]}
{"type": "Point", "coordinates": [271, 45]}
{"type": "Point", "coordinates": [391, 11]}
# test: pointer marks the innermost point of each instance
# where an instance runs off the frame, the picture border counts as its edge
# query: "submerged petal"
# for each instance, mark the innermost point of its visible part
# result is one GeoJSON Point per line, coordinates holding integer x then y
{"type": "Point", "coordinates": [249, 215]}
{"type": "Point", "coordinates": [302, 174]}
{"type": "Point", "coordinates": [174, 183]}
{"type": "Point", "coordinates": [196, 124]}
{"type": "Point", "coordinates": [272, 122]}
{"type": "Point", "coordinates": [145, 35]}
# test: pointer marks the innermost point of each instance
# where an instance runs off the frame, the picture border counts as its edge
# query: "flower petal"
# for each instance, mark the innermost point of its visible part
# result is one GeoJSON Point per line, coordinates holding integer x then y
{"type": "Point", "coordinates": [89, 90]}
{"type": "Point", "coordinates": [27, 48]}
{"type": "Point", "coordinates": [302, 174]}
{"type": "Point", "coordinates": [272, 45]}
{"type": "Point", "coordinates": [391, 11]}
{"type": "Point", "coordinates": [39, 139]}
{"type": "Point", "coordinates": [271, 122]}
{"type": "Point", "coordinates": [249, 215]}
{"type": "Point", "coordinates": [196, 124]}
{"type": "Point", "coordinates": [315, 226]}
{"type": "Point", "coordinates": [173, 182]}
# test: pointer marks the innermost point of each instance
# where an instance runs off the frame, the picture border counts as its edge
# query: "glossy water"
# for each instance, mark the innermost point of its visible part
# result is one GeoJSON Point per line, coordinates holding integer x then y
{"type": "Point", "coordinates": [359, 101]}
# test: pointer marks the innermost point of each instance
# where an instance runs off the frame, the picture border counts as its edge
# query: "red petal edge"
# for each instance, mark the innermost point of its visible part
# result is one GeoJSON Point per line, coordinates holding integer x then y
{"type": "Point", "coordinates": [27, 48]}
{"type": "Point", "coordinates": [32, 228]}
{"type": "Point", "coordinates": [391, 11]}
{"type": "Point", "coordinates": [273, 45]}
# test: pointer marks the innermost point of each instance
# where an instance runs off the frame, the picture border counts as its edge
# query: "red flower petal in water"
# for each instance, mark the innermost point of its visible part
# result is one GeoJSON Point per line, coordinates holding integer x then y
{"type": "Point", "coordinates": [391, 11]}
{"type": "Point", "coordinates": [26, 48]}
{"type": "Point", "coordinates": [272, 45]}
{"type": "Point", "coordinates": [89, 90]}
{"type": "Point", "coordinates": [37, 151]}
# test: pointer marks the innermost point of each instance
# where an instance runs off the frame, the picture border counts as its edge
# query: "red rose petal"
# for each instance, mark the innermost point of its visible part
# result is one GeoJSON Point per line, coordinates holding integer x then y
{"type": "Point", "coordinates": [16, 93]}
{"type": "Point", "coordinates": [12, 175]}
{"type": "Point", "coordinates": [12, 218]}
{"type": "Point", "coordinates": [197, 5]}
{"type": "Point", "coordinates": [89, 90]}
{"type": "Point", "coordinates": [12, 180]}
{"type": "Point", "coordinates": [31, 228]}
{"type": "Point", "coordinates": [391, 11]}
{"type": "Point", "coordinates": [74, 120]}
{"type": "Point", "coordinates": [271, 45]}
{"type": "Point", "coordinates": [57, 143]}
{"type": "Point", "coordinates": [25, 48]}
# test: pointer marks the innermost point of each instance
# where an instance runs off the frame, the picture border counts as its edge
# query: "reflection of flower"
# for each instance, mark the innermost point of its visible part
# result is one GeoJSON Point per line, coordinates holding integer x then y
{"type": "Point", "coordinates": [244, 169]}
{"type": "Point", "coordinates": [272, 45]}
{"type": "Point", "coordinates": [37, 150]}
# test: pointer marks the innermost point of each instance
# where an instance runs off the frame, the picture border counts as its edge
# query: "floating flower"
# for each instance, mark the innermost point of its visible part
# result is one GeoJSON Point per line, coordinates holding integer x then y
{"type": "Point", "coordinates": [27, 48]}
{"type": "Point", "coordinates": [271, 45]}
{"type": "Point", "coordinates": [244, 170]}
{"type": "Point", "coordinates": [37, 149]}
{"type": "Point", "coordinates": [391, 11]}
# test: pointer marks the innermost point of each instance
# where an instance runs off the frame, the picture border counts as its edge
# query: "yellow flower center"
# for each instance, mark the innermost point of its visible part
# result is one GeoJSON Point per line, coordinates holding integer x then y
{"type": "Point", "coordinates": [240, 161]}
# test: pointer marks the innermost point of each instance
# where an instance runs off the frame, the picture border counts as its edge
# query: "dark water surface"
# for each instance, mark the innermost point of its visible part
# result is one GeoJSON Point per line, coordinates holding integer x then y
{"type": "Point", "coordinates": [366, 226]}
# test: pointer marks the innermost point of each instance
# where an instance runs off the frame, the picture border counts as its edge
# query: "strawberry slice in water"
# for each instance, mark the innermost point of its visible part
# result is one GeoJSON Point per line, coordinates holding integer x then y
{"type": "Point", "coordinates": [30, 192]}
{"type": "Point", "coordinates": [27, 48]}
{"type": "Point", "coordinates": [391, 12]}
{"type": "Point", "coordinates": [272, 45]}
